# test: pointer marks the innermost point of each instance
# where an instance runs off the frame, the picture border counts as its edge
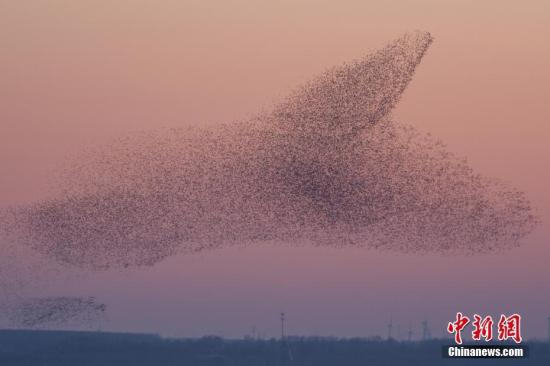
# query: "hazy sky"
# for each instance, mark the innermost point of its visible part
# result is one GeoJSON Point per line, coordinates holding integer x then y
{"type": "Point", "coordinates": [75, 73]}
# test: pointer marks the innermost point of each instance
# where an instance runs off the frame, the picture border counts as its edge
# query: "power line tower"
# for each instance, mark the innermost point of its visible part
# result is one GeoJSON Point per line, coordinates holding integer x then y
{"type": "Point", "coordinates": [390, 326]}
{"type": "Point", "coordinates": [410, 333]}
{"type": "Point", "coordinates": [286, 356]}
{"type": "Point", "coordinates": [426, 333]}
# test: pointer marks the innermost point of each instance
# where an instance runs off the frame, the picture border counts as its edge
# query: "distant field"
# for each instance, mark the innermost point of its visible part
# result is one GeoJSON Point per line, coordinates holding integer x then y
{"type": "Point", "coordinates": [18, 347]}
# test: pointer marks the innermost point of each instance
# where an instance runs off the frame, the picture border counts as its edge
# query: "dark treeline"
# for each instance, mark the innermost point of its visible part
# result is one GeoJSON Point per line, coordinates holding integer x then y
{"type": "Point", "coordinates": [59, 348]}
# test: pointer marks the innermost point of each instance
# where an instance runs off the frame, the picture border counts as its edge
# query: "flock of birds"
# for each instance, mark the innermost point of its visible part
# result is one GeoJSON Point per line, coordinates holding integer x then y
{"type": "Point", "coordinates": [327, 166]}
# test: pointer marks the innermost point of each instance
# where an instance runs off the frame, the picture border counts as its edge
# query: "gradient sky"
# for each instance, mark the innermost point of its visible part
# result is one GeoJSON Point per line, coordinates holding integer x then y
{"type": "Point", "coordinates": [76, 73]}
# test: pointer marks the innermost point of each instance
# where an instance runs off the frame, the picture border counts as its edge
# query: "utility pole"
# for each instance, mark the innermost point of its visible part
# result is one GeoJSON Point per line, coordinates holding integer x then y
{"type": "Point", "coordinates": [426, 334]}
{"type": "Point", "coordinates": [398, 332]}
{"type": "Point", "coordinates": [282, 326]}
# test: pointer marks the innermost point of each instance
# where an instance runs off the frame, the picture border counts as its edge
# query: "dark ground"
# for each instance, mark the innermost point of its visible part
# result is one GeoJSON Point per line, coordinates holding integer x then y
{"type": "Point", "coordinates": [19, 347]}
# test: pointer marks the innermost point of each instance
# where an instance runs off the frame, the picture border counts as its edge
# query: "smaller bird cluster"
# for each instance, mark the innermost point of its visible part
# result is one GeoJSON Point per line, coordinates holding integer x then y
{"type": "Point", "coordinates": [57, 311]}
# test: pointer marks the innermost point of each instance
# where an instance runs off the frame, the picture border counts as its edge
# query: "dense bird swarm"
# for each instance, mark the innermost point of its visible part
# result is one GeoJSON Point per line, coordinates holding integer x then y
{"type": "Point", "coordinates": [327, 166]}
{"type": "Point", "coordinates": [55, 311]}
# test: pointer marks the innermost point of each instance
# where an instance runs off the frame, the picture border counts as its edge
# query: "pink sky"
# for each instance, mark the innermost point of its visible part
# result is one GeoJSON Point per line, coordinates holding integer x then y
{"type": "Point", "coordinates": [79, 73]}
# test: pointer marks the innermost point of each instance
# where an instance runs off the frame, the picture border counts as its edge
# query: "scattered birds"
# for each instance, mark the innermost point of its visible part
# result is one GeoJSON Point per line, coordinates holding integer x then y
{"type": "Point", "coordinates": [56, 311]}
